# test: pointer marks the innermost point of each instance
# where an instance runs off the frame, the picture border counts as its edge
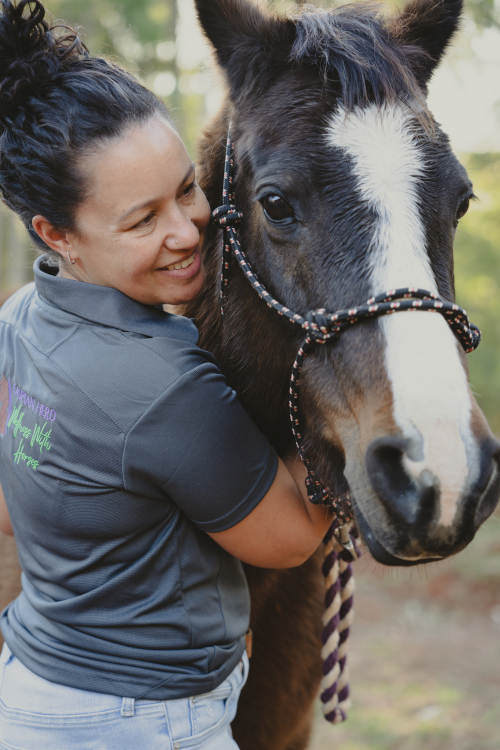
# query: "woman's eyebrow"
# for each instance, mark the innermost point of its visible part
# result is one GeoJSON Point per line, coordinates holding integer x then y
{"type": "Point", "coordinates": [148, 202]}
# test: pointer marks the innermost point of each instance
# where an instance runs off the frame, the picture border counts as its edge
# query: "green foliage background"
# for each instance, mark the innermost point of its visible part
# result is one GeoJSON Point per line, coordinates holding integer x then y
{"type": "Point", "coordinates": [142, 35]}
{"type": "Point", "coordinates": [477, 255]}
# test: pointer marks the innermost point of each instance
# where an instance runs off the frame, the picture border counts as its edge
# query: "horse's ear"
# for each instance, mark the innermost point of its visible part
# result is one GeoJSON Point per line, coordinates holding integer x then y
{"type": "Point", "coordinates": [246, 40]}
{"type": "Point", "coordinates": [428, 25]}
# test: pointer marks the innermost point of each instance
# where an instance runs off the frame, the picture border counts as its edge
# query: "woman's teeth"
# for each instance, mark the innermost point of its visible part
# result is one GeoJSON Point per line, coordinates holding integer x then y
{"type": "Point", "coordinates": [179, 266]}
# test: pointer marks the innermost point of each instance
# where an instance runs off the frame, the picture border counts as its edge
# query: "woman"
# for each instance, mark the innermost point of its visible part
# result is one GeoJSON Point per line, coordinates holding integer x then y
{"type": "Point", "coordinates": [132, 476]}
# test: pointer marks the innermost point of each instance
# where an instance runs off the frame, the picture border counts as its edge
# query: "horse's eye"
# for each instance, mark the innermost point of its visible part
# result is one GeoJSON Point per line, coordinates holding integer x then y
{"type": "Point", "coordinates": [463, 208]}
{"type": "Point", "coordinates": [277, 209]}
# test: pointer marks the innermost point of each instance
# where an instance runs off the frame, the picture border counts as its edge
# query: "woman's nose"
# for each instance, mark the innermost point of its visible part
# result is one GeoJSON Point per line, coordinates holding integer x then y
{"type": "Point", "coordinates": [183, 234]}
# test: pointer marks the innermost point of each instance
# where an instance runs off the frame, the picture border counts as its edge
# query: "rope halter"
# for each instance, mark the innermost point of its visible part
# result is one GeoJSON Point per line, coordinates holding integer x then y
{"type": "Point", "coordinates": [321, 327]}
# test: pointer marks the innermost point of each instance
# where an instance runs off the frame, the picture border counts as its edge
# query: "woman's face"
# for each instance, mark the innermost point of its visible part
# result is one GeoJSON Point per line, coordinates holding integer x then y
{"type": "Point", "coordinates": [141, 226]}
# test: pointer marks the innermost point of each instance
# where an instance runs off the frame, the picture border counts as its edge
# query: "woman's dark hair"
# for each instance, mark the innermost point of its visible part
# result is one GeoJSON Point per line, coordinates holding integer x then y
{"type": "Point", "coordinates": [56, 101]}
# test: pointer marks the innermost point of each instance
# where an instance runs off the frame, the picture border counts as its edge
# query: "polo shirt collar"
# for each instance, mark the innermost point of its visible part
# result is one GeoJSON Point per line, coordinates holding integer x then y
{"type": "Point", "coordinates": [99, 304]}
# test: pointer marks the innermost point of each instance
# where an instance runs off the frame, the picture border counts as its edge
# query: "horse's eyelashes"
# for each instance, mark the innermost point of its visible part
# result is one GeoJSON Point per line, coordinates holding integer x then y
{"type": "Point", "coordinates": [277, 209]}
{"type": "Point", "coordinates": [463, 208]}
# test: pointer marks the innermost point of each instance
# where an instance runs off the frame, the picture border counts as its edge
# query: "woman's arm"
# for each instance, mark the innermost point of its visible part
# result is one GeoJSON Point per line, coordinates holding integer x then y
{"type": "Point", "coordinates": [206, 454]}
{"type": "Point", "coordinates": [5, 524]}
{"type": "Point", "coordinates": [284, 529]}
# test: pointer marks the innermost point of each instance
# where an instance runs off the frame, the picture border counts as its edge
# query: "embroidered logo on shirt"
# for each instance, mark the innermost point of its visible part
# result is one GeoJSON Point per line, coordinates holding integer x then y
{"type": "Point", "coordinates": [32, 436]}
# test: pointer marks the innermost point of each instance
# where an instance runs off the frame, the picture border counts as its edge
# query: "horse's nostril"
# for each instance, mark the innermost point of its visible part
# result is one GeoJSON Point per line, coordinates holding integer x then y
{"type": "Point", "coordinates": [489, 485]}
{"type": "Point", "coordinates": [410, 499]}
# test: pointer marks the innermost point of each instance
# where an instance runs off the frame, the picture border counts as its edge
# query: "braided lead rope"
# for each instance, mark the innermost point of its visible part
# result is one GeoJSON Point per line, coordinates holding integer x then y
{"type": "Point", "coordinates": [337, 620]}
{"type": "Point", "coordinates": [320, 327]}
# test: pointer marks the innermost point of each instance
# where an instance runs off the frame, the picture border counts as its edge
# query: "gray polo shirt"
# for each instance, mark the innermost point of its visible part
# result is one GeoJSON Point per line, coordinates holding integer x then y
{"type": "Point", "coordinates": [120, 446]}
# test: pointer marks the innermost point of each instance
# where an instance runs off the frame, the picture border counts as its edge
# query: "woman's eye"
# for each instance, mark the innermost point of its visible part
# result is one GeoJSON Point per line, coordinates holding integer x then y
{"type": "Point", "coordinates": [189, 188]}
{"type": "Point", "coordinates": [277, 209]}
{"type": "Point", "coordinates": [145, 221]}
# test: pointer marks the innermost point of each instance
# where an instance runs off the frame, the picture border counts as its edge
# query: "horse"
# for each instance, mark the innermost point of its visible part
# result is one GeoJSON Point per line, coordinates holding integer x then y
{"type": "Point", "coordinates": [347, 187]}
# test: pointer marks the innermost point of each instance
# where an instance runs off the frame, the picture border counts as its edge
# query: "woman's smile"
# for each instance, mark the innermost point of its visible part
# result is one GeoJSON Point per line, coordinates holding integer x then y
{"type": "Point", "coordinates": [184, 269]}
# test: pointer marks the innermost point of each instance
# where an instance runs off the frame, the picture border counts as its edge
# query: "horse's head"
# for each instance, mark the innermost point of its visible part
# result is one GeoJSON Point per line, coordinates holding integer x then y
{"type": "Point", "coordinates": [349, 188]}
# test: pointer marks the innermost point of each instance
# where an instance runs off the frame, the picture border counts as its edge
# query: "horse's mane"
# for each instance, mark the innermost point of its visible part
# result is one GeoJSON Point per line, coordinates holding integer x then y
{"type": "Point", "coordinates": [356, 51]}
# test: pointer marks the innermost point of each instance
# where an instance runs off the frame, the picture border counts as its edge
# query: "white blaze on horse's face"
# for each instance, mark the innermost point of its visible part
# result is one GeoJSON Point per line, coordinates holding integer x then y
{"type": "Point", "coordinates": [431, 397]}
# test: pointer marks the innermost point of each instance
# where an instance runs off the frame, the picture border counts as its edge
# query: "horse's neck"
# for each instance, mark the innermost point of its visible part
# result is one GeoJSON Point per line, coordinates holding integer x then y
{"type": "Point", "coordinates": [250, 343]}
{"type": "Point", "coordinates": [251, 352]}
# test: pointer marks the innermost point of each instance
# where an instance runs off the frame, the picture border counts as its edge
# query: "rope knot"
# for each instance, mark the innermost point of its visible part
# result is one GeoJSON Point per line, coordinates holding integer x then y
{"type": "Point", "coordinates": [227, 215]}
{"type": "Point", "coordinates": [318, 324]}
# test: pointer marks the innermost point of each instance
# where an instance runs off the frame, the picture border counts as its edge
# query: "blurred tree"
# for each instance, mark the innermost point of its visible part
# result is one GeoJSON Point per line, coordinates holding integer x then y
{"type": "Point", "coordinates": [140, 35]}
{"type": "Point", "coordinates": [484, 12]}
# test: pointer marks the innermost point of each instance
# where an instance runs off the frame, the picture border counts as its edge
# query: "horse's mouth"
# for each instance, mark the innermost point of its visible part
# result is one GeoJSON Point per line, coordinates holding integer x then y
{"type": "Point", "coordinates": [379, 552]}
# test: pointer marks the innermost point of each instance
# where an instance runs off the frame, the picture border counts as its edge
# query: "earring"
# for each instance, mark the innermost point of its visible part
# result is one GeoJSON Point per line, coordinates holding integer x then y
{"type": "Point", "coordinates": [70, 259]}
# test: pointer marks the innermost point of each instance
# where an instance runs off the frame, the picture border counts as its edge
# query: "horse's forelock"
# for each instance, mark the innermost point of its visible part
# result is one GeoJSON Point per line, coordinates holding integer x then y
{"type": "Point", "coordinates": [352, 46]}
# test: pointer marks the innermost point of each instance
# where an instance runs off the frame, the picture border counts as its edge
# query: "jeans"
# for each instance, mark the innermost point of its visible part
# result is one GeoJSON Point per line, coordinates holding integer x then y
{"type": "Point", "coordinates": [39, 715]}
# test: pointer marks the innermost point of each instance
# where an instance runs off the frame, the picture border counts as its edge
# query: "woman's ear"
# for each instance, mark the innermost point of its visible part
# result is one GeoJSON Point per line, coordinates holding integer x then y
{"type": "Point", "coordinates": [56, 239]}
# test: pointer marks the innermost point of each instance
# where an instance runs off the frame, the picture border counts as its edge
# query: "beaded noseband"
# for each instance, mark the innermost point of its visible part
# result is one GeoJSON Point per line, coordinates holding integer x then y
{"type": "Point", "coordinates": [321, 327]}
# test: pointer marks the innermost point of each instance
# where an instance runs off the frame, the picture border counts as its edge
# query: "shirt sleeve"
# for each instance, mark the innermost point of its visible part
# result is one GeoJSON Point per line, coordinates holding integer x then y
{"type": "Point", "coordinates": [197, 445]}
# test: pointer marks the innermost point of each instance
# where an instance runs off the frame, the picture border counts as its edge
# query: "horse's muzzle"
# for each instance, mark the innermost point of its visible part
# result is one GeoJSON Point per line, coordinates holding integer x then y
{"type": "Point", "coordinates": [412, 505]}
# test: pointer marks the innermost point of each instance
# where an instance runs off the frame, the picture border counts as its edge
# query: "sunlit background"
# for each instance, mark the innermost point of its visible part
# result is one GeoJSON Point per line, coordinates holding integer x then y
{"type": "Point", "coordinates": [426, 648]}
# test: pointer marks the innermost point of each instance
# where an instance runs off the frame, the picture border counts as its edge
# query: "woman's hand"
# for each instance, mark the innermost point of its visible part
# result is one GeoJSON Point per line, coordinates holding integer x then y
{"type": "Point", "coordinates": [284, 529]}
{"type": "Point", "coordinates": [5, 524]}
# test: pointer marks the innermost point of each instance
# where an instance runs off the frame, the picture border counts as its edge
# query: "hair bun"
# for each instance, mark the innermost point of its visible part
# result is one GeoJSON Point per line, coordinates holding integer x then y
{"type": "Point", "coordinates": [31, 53]}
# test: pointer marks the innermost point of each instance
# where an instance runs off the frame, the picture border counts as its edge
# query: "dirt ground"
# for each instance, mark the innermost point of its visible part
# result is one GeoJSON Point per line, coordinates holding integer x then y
{"type": "Point", "coordinates": [424, 652]}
